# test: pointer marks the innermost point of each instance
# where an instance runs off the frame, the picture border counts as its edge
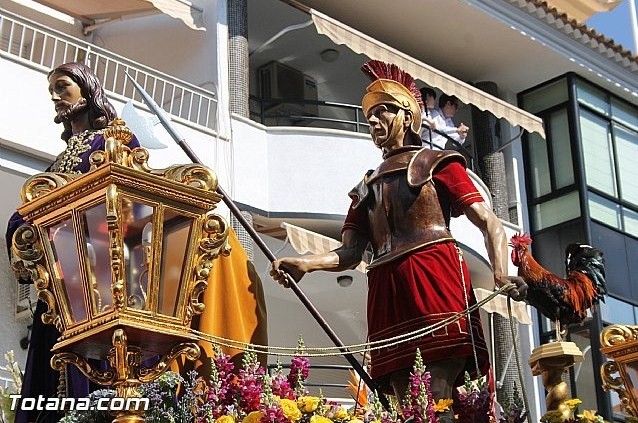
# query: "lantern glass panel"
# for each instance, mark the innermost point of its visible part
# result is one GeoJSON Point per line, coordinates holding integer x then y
{"type": "Point", "coordinates": [175, 237]}
{"type": "Point", "coordinates": [137, 234]}
{"type": "Point", "coordinates": [67, 268]}
{"type": "Point", "coordinates": [96, 235]}
{"type": "Point", "coordinates": [631, 379]}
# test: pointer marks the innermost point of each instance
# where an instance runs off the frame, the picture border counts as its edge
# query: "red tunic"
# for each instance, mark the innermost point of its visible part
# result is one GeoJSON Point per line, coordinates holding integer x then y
{"type": "Point", "coordinates": [422, 288]}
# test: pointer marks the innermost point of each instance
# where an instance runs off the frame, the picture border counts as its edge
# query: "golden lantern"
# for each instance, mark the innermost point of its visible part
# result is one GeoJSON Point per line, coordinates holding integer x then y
{"type": "Point", "coordinates": [620, 344]}
{"type": "Point", "coordinates": [121, 255]}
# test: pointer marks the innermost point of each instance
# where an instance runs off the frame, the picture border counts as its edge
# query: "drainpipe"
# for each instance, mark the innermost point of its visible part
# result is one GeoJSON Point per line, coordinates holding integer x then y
{"type": "Point", "coordinates": [486, 130]}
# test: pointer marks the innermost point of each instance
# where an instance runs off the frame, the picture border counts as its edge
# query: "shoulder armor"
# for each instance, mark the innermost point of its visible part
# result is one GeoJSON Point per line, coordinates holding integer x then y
{"type": "Point", "coordinates": [360, 191]}
{"type": "Point", "coordinates": [424, 162]}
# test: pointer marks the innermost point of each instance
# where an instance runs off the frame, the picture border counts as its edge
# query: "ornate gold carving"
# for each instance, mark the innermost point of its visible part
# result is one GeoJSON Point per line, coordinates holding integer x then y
{"type": "Point", "coordinates": [103, 377]}
{"type": "Point", "coordinates": [189, 349]}
{"type": "Point", "coordinates": [126, 372]}
{"type": "Point", "coordinates": [113, 219]}
{"type": "Point", "coordinates": [194, 175]}
{"type": "Point", "coordinates": [213, 243]}
{"type": "Point", "coordinates": [117, 129]}
{"type": "Point", "coordinates": [618, 334]}
{"type": "Point", "coordinates": [27, 261]}
{"type": "Point", "coordinates": [611, 382]}
{"type": "Point", "coordinates": [43, 183]}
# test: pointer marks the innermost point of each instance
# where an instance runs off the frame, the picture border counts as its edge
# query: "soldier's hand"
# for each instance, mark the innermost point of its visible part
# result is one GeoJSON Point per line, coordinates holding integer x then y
{"type": "Point", "coordinates": [288, 265]}
{"type": "Point", "coordinates": [520, 291]}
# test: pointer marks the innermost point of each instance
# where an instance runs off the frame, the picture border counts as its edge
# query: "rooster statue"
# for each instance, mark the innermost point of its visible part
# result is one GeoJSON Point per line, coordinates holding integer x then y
{"type": "Point", "coordinates": [567, 300]}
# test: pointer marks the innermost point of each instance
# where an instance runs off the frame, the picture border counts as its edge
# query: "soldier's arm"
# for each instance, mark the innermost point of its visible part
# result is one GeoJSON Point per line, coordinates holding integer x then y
{"type": "Point", "coordinates": [348, 256]}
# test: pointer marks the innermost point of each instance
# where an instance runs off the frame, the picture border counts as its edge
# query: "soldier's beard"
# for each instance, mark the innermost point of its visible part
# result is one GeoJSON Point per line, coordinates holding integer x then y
{"type": "Point", "coordinates": [68, 112]}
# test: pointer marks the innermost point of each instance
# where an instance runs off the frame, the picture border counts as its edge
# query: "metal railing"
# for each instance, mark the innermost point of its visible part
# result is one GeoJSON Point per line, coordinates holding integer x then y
{"type": "Point", "coordinates": [43, 48]}
{"type": "Point", "coordinates": [328, 114]}
{"type": "Point", "coordinates": [317, 114]}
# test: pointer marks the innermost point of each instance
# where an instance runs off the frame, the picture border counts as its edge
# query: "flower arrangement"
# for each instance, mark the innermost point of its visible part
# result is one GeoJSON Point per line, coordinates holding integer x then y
{"type": "Point", "coordinates": [252, 396]}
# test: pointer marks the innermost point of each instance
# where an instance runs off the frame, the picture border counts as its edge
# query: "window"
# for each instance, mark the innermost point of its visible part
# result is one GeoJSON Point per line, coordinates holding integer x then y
{"type": "Point", "coordinates": [539, 166]}
{"type": "Point", "coordinates": [604, 211]}
{"type": "Point", "coordinates": [562, 166]}
{"type": "Point", "coordinates": [546, 97]}
{"type": "Point", "coordinates": [627, 152]}
{"type": "Point", "coordinates": [556, 211]}
{"type": "Point", "coordinates": [598, 153]}
{"type": "Point", "coordinates": [592, 97]}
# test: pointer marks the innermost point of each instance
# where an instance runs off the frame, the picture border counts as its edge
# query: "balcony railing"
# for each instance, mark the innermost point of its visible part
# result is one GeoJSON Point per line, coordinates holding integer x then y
{"type": "Point", "coordinates": [321, 114]}
{"type": "Point", "coordinates": [326, 114]}
{"type": "Point", "coordinates": [42, 48]}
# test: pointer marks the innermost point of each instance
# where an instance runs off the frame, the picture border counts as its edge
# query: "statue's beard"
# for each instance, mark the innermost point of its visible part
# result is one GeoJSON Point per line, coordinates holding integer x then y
{"type": "Point", "coordinates": [67, 112]}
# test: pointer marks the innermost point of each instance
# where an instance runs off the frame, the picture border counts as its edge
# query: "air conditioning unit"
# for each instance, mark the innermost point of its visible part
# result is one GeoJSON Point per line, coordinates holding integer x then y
{"type": "Point", "coordinates": [26, 300]}
{"type": "Point", "coordinates": [281, 82]}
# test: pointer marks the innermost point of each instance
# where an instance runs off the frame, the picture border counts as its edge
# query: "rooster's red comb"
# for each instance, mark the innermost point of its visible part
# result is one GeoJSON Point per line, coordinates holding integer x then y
{"type": "Point", "coordinates": [521, 239]}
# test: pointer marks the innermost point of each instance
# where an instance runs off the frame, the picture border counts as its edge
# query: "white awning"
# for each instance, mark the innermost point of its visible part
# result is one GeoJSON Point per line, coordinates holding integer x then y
{"type": "Point", "coordinates": [304, 241]}
{"type": "Point", "coordinates": [96, 13]}
{"type": "Point", "coordinates": [361, 43]}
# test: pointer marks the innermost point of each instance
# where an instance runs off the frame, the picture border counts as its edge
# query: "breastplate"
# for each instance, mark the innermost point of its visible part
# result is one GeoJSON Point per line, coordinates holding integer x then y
{"type": "Point", "coordinates": [404, 211]}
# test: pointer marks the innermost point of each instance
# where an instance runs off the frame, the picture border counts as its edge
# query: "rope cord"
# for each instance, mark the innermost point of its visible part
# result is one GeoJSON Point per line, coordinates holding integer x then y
{"type": "Point", "coordinates": [518, 361]}
{"type": "Point", "coordinates": [353, 348]}
{"type": "Point", "coordinates": [468, 317]}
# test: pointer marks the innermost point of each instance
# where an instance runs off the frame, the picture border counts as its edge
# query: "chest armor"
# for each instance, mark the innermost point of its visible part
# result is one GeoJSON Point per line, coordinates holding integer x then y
{"type": "Point", "coordinates": [404, 210]}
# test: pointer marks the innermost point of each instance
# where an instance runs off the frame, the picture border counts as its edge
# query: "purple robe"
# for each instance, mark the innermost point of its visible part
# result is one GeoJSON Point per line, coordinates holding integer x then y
{"type": "Point", "coordinates": [39, 377]}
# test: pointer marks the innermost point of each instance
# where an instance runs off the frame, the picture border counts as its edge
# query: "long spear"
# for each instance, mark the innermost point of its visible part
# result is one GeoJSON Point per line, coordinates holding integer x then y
{"type": "Point", "coordinates": [181, 141]}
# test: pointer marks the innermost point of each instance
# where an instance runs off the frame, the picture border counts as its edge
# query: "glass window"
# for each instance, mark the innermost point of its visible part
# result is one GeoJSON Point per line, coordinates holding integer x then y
{"type": "Point", "coordinates": [561, 149]}
{"type": "Point", "coordinates": [556, 211]}
{"type": "Point", "coordinates": [624, 114]}
{"type": "Point", "coordinates": [592, 97]}
{"type": "Point", "coordinates": [584, 371]}
{"type": "Point", "coordinates": [546, 97]}
{"type": "Point", "coordinates": [627, 151]}
{"type": "Point", "coordinates": [598, 153]}
{"type": "Point", "coordinates": [630, 219]}
{"type": "Point", "coordinates": [604, 211]}
{"type": "Point", "coordinates": [616, 311]}
{"type": "Point", "coordinates": [539, 165]}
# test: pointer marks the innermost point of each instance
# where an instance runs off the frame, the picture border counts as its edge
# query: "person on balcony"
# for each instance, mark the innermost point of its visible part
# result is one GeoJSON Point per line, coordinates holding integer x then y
{"type": "Point", "coordinates": [428, 111]}
{"type": "Point", "coordinates": [443, 121]}
{"type": "Point", "coordinates": [417, 277]}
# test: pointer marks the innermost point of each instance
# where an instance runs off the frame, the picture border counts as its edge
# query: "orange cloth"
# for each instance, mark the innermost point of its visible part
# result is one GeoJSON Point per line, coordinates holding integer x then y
{"type": "Point", "coordinates": [235, 306]}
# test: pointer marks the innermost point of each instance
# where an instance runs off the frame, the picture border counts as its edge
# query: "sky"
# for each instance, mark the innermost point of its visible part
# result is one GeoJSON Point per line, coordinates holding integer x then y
{"type": "Point", "coordinates": [615, 25]}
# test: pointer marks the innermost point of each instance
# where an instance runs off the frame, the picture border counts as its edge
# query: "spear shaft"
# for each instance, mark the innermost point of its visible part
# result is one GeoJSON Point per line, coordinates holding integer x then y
{"type": "Point", "coordinates": [181, 141]}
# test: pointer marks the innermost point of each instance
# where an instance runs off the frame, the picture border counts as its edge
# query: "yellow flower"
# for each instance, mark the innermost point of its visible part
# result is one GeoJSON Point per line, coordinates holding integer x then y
{"type": "Point", "coordinates": [308, 404]}
{"type": "Point", "coordinates": [588, 416]}
{"type": "Point", "coordinates": [340, 413]}
{"type": "Point", "coordinates": [225, 419]}
{"type": "Point", "coordinates": [253, 417]}
{"type": "Point", "coordinates": [319, 419]}
{"type": "Point", "coordinates": [290, 409]}
{"type": "Point", "coordinates": [443, 405]}
{"type": "Point", "coordinates": [573, 403]}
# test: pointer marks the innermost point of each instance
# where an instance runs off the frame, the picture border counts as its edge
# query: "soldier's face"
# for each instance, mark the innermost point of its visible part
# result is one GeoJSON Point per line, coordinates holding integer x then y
{"type": "Point", "coordinates": [380, 118]}
{"type": "Point", "coordinates": [66, 96]}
